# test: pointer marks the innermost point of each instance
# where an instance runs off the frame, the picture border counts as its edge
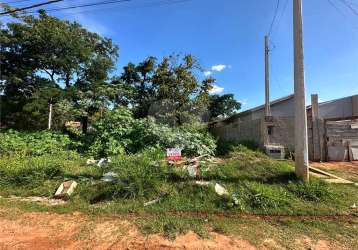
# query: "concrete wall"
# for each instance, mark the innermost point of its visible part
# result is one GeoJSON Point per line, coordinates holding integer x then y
{"type": "Point", "coordinates": [355, 105]}
{"type": "Point", "coordinates": [336, 108]}
{"type": "Point", "coordinates": [339, 136]}
{"type": "Point", "coordinates": [283, 109]}
{"type": "Point", "coordinates": [238, 130]}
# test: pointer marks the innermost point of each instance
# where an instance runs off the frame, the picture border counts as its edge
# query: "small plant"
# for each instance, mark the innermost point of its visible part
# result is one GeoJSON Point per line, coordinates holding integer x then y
{"type": "Point", "coordinates": [312, 191]}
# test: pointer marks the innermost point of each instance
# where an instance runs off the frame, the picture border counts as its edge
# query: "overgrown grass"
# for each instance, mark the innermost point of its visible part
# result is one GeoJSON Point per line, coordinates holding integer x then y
{"type": "Point", "coordinates": [260, 186]}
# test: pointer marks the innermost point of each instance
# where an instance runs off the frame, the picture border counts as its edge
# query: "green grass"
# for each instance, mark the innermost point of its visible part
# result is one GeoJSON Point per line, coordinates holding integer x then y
{"type": "Point", "coordinates": [261, 186]}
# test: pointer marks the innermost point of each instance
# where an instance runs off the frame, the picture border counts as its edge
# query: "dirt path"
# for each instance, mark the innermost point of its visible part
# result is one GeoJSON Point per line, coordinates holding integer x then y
{"type": "Point", "coordinates": [76, 231]}
{"type": "Point", "coordinates": [346, 170]}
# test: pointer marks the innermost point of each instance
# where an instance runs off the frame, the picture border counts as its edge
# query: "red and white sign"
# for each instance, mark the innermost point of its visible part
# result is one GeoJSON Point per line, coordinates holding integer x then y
{"type": "Point", "coordinates": [173, 154]}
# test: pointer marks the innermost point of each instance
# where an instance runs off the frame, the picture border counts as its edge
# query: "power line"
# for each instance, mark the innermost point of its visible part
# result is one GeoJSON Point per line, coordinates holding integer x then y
{"type": "Point", "coordinates": [274, 17]}
{"type": "Point", "coordinates": [349, 6]}
{"type": "Point", "coordinates": [20, 1]}
{"type": "Point", "coordinates": [342, 13]}
{"type": "Point", "coordinates": [30, 7]}
{"type": "Point", "coordinates": [85, 5]}
{"type": "Point", "coordinates": [152, 4]}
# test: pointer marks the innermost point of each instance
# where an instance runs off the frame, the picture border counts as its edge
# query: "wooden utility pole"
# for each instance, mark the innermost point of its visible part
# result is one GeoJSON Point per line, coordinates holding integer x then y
{"type": "Point", "coordinates": [301, 143]}
{"type": "Point", "coordinates": [267, 78]}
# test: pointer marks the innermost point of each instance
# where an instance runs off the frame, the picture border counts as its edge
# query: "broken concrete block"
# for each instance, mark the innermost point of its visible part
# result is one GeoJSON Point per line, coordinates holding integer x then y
{"type": "Point", "coordinates": [220, 190]}
{"type": "Point", "coordinates": [91, 162]}
{"type": "Point", "coordinates": [65, 190]}
{"type": "Point", "coordinates": [149, 203]}
{"type": "Point", "coordinates": [110, 177]}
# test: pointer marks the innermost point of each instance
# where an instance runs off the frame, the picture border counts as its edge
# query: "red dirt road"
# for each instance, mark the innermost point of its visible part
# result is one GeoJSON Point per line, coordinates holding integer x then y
{"type": "Point", "coordinates": [75, 231]}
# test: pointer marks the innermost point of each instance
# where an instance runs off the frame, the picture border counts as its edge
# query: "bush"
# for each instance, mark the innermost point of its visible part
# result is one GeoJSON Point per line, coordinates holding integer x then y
{"type": "Point", "coordinates": [34, 144]}
{"type": "Point", "coordinates": [118, 133]}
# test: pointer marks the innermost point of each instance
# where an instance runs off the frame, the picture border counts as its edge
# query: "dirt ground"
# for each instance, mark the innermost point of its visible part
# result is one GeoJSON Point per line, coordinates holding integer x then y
{"type": "Point", "coordinates": [76, 231]}
{"type": "Point", "coordinates": [345, 170]}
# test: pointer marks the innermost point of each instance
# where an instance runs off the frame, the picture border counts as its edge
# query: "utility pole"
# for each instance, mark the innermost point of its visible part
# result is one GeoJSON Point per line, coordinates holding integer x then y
{"type": "Point", "coordinates": [301, 143]}
{"type": "Point", "coordinates": [267, 78]}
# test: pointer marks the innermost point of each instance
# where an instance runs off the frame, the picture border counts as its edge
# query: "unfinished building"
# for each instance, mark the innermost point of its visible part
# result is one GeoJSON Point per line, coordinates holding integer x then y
{"type": "Point", "coordinates": [332, 127]}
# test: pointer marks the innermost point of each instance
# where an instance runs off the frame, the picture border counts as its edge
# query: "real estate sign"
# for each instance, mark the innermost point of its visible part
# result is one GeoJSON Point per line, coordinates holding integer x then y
{"type": "Point", "coordinates": [173, 154]}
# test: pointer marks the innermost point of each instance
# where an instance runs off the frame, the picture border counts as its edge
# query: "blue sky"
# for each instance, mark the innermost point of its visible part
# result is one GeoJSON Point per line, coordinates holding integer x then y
{"type": "Point", "coordinates": [229, 34]}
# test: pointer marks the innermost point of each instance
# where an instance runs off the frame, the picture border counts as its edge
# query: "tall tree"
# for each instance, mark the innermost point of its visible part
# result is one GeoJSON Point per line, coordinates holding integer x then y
{"type": "Point", "coordinates": [139, 85]}
{"type": "Point", "coordinates": [46, 49]}
{"type": "Point", "coordinates": [223, 106]}
{"type": "Point", "coordinates": [180, 93]}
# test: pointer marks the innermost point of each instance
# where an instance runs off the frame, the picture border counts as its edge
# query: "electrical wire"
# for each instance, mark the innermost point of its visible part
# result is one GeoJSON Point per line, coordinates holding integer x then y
{"type": "Point", "coordinates": [152, 4]}
{"type": "Point", "coordinates": [84, 5]}
{"type": "Point", "coordinates": [274, 17]}
{"type": "Point", "coordinates": [20, 1]}
{"type": "Point", "coordinates": [349, 6]}
{"type": "Point", "coordinates": [342, 13]}
{"type": "Point", "coordinates": [30, 7]}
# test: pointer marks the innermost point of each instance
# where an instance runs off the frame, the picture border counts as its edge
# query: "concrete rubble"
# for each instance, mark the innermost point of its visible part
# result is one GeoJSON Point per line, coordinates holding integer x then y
{"type": "Point", "coordinates": [42, 200]}
{"type": "Point", "coordinates": [110, 177]}
{"type": "Point", "coordinates": [65, 190]}
{"type": "Point", "coordinates": [220, 190]}
{"type": "Point", "coordinates": [149, 203]}
{"type": "Point", "coordinates": [203, 183]}
{"type": "Point", "coordinates": [103, 162]}
{"type": "Point", "coordinates": [91, 162]}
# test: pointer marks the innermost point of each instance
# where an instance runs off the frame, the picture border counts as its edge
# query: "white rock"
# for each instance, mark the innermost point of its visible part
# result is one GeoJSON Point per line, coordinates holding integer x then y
{"type": "Point", "coordinates": [220, 190]}
{"type": "Point", "coordinates": [354, 206]}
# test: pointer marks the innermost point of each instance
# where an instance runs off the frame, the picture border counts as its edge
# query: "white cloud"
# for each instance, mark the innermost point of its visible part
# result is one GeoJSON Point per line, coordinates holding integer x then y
{"type": "Point", "coordinates": [207, 73]}
{"type": "Point", "coordinates": [216, 90]}
{"type": "Point", "coordinates": [219, 67]}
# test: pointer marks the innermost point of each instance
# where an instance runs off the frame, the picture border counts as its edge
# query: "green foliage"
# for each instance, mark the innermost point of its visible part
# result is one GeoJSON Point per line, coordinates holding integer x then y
{"type": "Point", "coordinates": [140, 176]}
{"type": "Point", "coordinates": [45, 58]}
{"type": "Point", "coordinates": [118, 132]}
{"type": "Point", "coordinates": [223, 106]}
{"type": "Point", "coordinates": [312, 191]}
{"type": "Point", "coordinates": [112, 133]}
{"type": "Point", "coordinates": [225, 147]}
{"type": "Point", "coordinates": [34, 144]}
{"type": "Point", "coordinates": [33, 170]}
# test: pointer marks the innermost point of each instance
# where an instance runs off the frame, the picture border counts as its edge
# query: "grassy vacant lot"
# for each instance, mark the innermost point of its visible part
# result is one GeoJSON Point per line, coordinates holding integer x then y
{"type": "Point", "coordinates": [269, 201]}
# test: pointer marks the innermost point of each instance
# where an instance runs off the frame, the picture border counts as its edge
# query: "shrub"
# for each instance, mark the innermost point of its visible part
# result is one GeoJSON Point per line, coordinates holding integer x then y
{"type": "Point", "coordinates": [34, 144]}
{"type": "Point", "coordinates": [118, 132]}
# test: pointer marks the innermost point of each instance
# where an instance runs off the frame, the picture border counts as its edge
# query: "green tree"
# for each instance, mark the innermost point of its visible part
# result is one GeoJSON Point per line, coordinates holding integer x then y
{"type": "Point", "coordinates": [138, 83]}
{"type": "Point", "coordinates": [47, 49]}
{"type": "Point", "coordinates": [181, 96]}
{"type": "Point", "coordinates": [223, 106]}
